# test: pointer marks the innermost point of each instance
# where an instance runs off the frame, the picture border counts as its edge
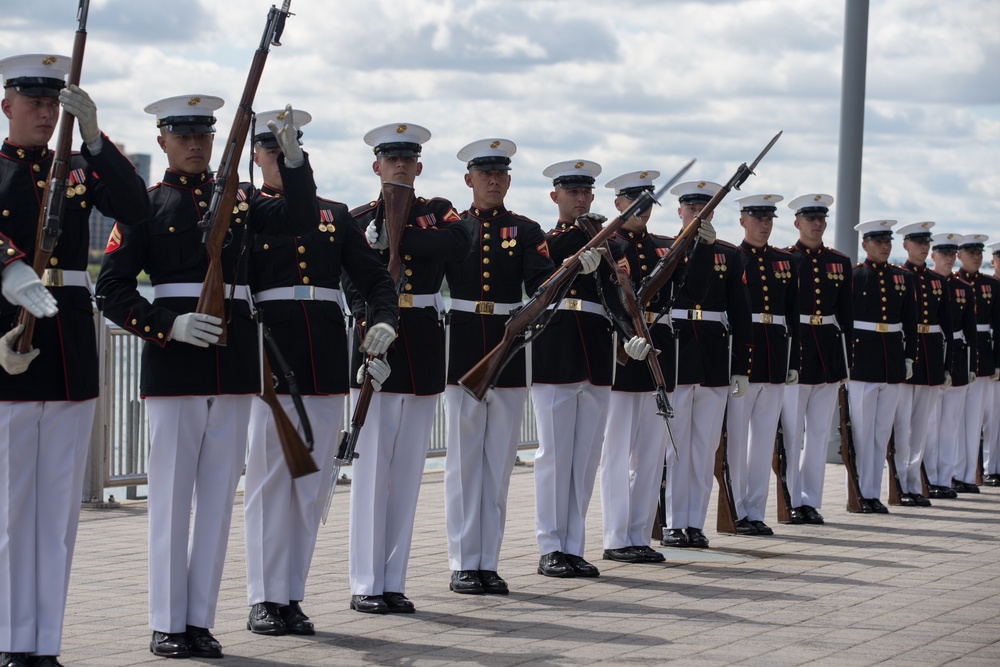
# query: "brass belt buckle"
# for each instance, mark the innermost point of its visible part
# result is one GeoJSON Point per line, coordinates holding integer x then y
{"type": "Point", "coordinates": [484, 308]}
{"type": "Point", "coordinates": [303, 292]}
{"type": "Point", "coordinates": [572, 304]}
{"type": "Point", "coordinates": [406, 301]}
{"type": "Point", "coordinates": [766, 318]}
{"type": "Point", "coordinates": [694, 314]}
{"type": "Point", "coordinates": [52, 278]}
{"type": "Point", "coordinates": [815, 320]}
{"type": "Point", "coordinates": [923, 328]}
{"type": "Point", "coordinates": [881, 327]}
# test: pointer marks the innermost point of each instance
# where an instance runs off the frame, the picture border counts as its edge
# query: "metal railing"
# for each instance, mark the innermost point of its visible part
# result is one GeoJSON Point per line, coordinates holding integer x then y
{"type": "Point", "coordinates": [120, 444]}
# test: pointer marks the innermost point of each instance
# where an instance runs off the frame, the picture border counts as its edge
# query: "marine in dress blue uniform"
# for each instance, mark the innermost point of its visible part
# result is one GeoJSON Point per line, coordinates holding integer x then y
{"type": "Point", "coordinates": [826, 320]}
{"type": "Point", "coordinates": [572, 368]}
{"type": "Point", "coordinates": [509, 256]}
{"type": "Point", "coordinates": [393, 444]}
{"type": "Point", "coordinates": [714, 349]}
{"type": "Point", "coordinates": [48, 396]}
{"type": "Point", "coordinates": [296, 284]}
{"type": "Point", "coordinates": [987, 291]}
{"type": "Point", "coordinates": [885, 331]}
{"type": "Point", "coordinates": [752, 419]}
{"type": "Point", "coordinates": [198, 395]}
{"type": "Point", "coordinates": [930, 371]}
{"type": "Point", "coordinates": [636, 441]}
{"type": "Point", "coordinates": [947, 412]}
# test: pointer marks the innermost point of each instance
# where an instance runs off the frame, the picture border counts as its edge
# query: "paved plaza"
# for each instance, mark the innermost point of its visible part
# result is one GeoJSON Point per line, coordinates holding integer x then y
{"type": "Point", "coordinates": [915, 587]}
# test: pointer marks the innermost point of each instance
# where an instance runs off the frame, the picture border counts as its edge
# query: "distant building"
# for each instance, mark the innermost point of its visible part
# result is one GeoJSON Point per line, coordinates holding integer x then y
{"type": "Point", "coordinates": [100, 224]}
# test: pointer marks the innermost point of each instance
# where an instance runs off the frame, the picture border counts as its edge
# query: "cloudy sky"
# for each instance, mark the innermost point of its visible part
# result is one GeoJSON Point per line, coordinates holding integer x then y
{"type": "Point", "coordinates": [632, 84]}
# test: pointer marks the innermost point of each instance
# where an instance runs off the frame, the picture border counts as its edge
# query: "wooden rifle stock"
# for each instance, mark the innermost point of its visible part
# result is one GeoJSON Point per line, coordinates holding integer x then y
{"type": "Point", "coordinates": [848, 453]}
{"type": "Point", "coordinates": [638, 319]}
{"type": "Point", "coordinates": [54, 196]}
{"type": "Point", "coordinates": [297, 457]}
{"type": "Point", "coordinates": [895, 488]}
{"type": "Point", "coordinates": [664, 268]}
{"type": "Point", "coordinates": [726, 521]}
{"type": "Point", "coordinates": [397, 198]}
{"type": "Point", "coordinates": [215, 224]}
{"type": "Point", "coordinates": [779, 463]}
{"type": "Point", "coordinates": [483, 375]}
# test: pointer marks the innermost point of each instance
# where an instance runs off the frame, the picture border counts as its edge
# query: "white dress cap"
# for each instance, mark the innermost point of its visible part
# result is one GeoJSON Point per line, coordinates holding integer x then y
{"type": "Point", "coordinates": [573, 173]}
{"type": "Point", "coordinates": [695, 191]}
{"type": "Point", "coordinates": [265, 138]}
{"type": "Point", "coordinates": [916, 231]}
{"type": "Point", "coordinates": [633, 183]}
{"type": "Point", "coordinates": [398, 139]}
{"type": "Point", "coordinates": [35, 74]}
{"type": "Point", "coordinates": [813, 204]}
{"type": "Point", "coordinates": [186, 114]}
{"type": "Point", "coordinates": [875, 228]}
{"type": "Point", "coordinates": [488, 154]}
{"type": "Point", "coordinates": [760, 204]}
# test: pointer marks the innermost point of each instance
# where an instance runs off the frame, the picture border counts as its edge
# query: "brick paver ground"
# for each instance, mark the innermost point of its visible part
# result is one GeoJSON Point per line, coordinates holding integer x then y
{"type": "Point", "coordinates": [915, 587]}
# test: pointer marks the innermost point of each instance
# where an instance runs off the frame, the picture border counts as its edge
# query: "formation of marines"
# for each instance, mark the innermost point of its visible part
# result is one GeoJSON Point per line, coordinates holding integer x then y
{"type": "Point", "coordinates": [751, 339]}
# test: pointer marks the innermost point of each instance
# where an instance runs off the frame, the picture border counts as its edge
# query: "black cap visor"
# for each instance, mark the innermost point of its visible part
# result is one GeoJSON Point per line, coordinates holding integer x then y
{"type": "Point", "coordinates": [36, 86]}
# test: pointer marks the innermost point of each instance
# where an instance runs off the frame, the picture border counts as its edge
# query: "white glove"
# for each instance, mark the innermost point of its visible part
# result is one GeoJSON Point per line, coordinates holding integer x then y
{"type": "Point", "coordinates": [793, 377]}
{"type": "Point", "coordinates": [597, 218]}
{"type": "Point", "coordinates": [378, 339]}
{"type": "Point", "coordinates": [77, 102]}
{"type": "Point", "coordinates": [738, 385]}
{"type": "Point", "coordinates": [996, 374]}
{"type": "Point", "coordinates": [972, 377]}
{"type": "Point", "coordinates": [706, 232]}
{"type": "Point", "coordinates": [377, 240]}
{"type": "Point", "coordinates": [909, 368]}
{"type": "Point", "coordinates": [637, 348]}
{"type": "Point", "coordinates": [11, 361]}
{"type": "Point", "coordinates": [287, 137]}
{"type": "Point", "coordinates": [22, 287]}
{"type": "Point", "coordinates": [378, 369]}
{"type": "Point", "coordinates": [947, 380]}
{"type": "Point", "coordinates": [590, 259]}
{"type": "Point", "coordinates": [196, 329]}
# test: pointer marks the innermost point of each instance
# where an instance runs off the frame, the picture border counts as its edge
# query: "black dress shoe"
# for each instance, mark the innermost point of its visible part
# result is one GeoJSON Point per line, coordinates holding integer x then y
{"type": "Point", "coordinates": [649, 555]}
{"type": "Point", "coordinates": [744, 527]}
{"type": "Point", "coordinates": [906, 500]}
{"type": "Point", "coordinates": [811, 515]}
{"type": "Point", "coordinates": [14, 660]}
{"type": "Point", "coordinates": [398, 603]}
{"type": "Point", "coordinates": [623, 555]}
{"type": "Point", "coordinates": [919, 500]}
{"type": "Point", "coordinates": [971, 488]}
{"type": "Point", "coordinates": [963, 487]}
{"type": "Point", "coordinates": [676, 538]}
{"type": "Point", "coordinates": [581, 567]}
{"type": "Point", "coordinates": [941, 492]}
{"type": "Point", "coordinates": [877, 506]}
{"type": "Point", "coordinates": [466, 581]}
{"type": "Point", "coordinates": [762, 528]}
{"type": "Point", "coordinates": [866, 507]}
{"type": "Point", "coordinates": [265, 619]}
{"type": "Point", "coordinates": [796, 516]}
{"type": "Point", "coordinates": [554, 564]}
{"type": "Point", "coordinates": [202, 643]}
{"type": "Point", "coordinates": [170, 645]}
{"type": "Point", "coordinates": [948, 493]}
{"type": "Point", "coordinates": [369, 604]}
{"type": "Point", "coordinates": [44, 661]}
{"type": "Point", "coordinates": [493, 583]}
{"type": "Point", "coordinates": [296, 622]}
{"type": "Point", "coordinates": [696, 538]}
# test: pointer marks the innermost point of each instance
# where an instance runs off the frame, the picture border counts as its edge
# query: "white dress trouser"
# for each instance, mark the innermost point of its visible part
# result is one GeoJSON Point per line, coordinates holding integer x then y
{"type": "Point", "coordinates": [950, 437]}
{"type": "Point", "coordinates": [696, 427]}
{"type": "Point", "coordinates": [910, 433]}
{"type": "Point", "coordinates": [968, 455]}
{"type": "Point", "coordinates": [873, 409]}
{"type": "Point", "coordinates": [806, 421]}
{"type": "Point", "coordinates": [385, 485]}
{"type": "Point", "coordinates": [482, 442]}
{"type": "Point", "coordinates": [570, 421]}
{"type": "Point", "coordinates": [991, 430]}
{"type": "Point", "coordinates": [632, 458]}
{"type": "Point", "coordinates": [281, 514]}
{"type": "Point", "coordinates": [197, 451]}
{"type": "Point", "coordinates": [43, 454]}
{"type": "Point", "coordinates": [751, 424]}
